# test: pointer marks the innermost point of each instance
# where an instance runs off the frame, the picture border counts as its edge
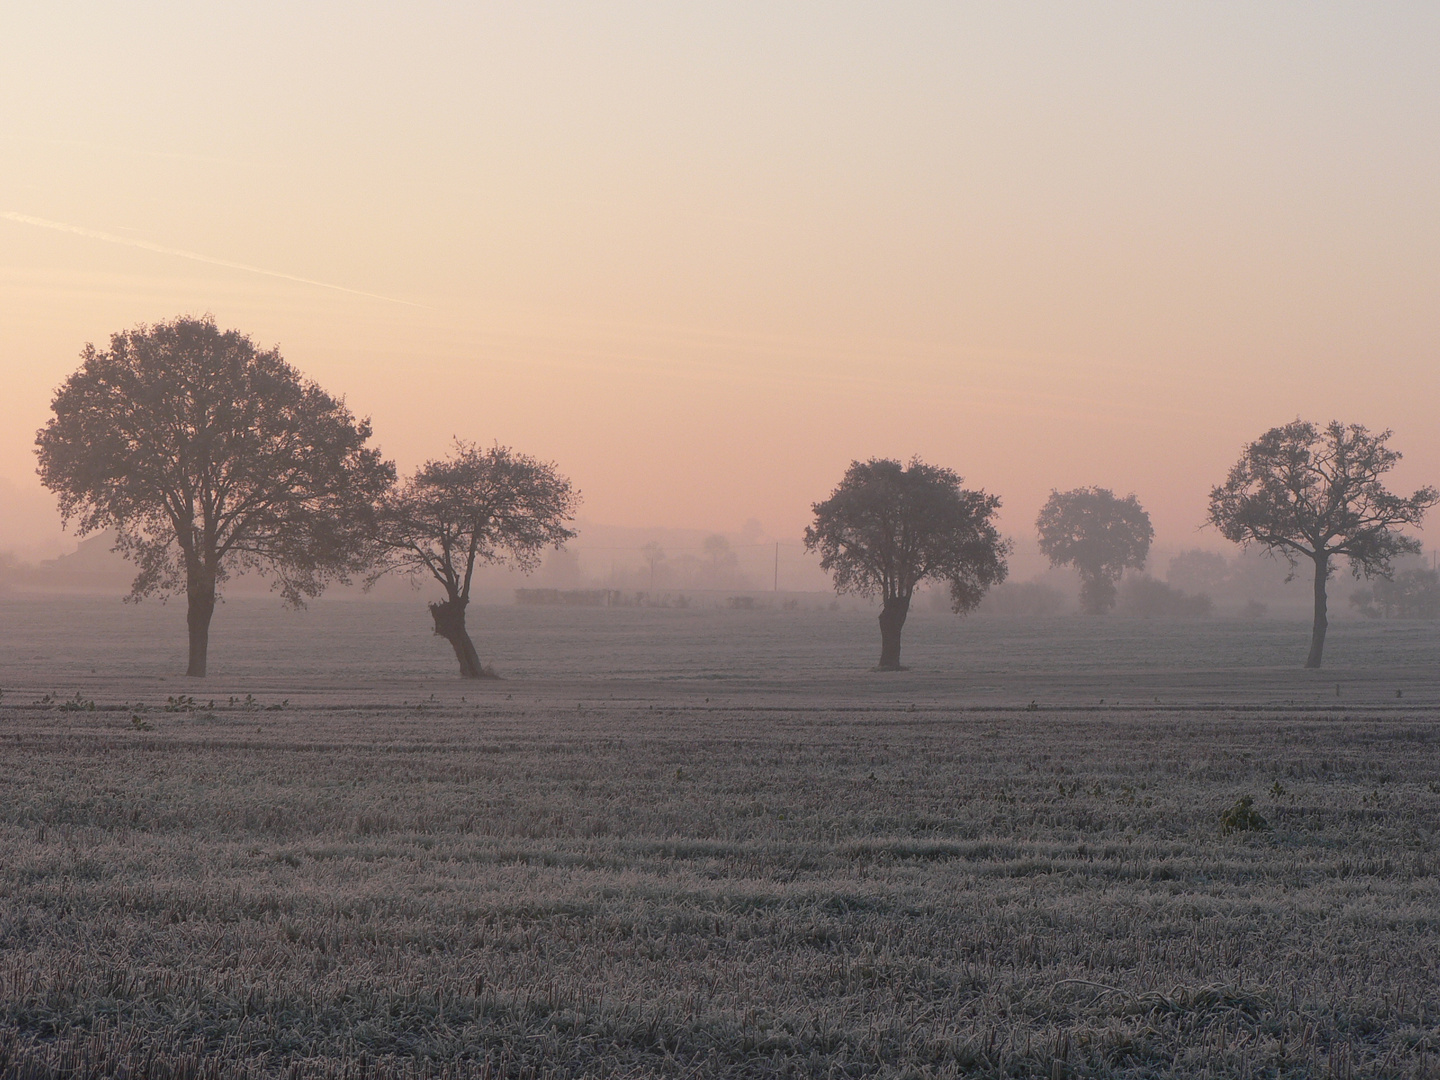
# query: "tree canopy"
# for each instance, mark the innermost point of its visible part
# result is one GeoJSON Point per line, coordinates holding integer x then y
{"type": "Point", "coordinates": [476, 507]}
{"type": "Point", "coordinates": [207, 455]}
{"type": "Point", "coordinates": [888, 527]}
{"type": "Point", "coordinates": [1305, 491]}
{"type": "Point", "coordinates": [1098, 534]}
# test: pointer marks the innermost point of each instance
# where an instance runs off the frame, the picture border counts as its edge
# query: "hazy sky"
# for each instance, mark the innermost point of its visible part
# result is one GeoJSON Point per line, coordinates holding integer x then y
{"type": "Point", "coordinates": [704, 255]}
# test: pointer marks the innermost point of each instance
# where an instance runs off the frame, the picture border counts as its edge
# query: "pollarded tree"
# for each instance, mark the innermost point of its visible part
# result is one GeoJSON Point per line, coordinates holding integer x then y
{"type": "Point", "coordinates": [1099, 535]}
{"type": "Point", "coordinates": [209, 456]}
{"type": "Point", "coordinates": [474, 508]}
{"type": "Point", "coordinates": [1316, 493]}
{"type": "Point", "coordinates": [888, 527]}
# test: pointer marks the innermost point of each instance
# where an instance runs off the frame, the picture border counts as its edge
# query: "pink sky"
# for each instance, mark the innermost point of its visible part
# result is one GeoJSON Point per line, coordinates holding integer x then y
{"type": "Point", "coordinates": [703, 256]}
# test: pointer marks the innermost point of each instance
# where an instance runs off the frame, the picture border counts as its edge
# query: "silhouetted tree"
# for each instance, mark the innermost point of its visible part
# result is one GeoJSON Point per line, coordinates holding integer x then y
{"type": "Point", "coordinates": [1312, 492]}
{"type": "Point", "coordinates": [888, 527]}
{"type": "Point", "coordinates": [474, 508]}
{"type": "Point", "coordinates": [1099, 535]}
{"type": "Point", "coordinates": [208, 456]}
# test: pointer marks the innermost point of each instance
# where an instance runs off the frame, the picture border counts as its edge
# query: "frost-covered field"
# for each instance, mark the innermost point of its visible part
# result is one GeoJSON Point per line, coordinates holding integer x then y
{"type": "Point", "coordinates": [713, 843]}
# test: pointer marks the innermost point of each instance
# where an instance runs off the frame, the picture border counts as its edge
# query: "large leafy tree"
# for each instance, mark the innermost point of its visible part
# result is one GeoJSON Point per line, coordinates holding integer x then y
{"type": "Point", "coordinates": [476, 507]}
{"type": "Point", "coordinates": [209, 456]}
{"type": "Point", "coordinates": [1316, 493]}
{"type": "Point", "coordinates": [1099, 535]}
{"type": "Point", "coordinates": [889, 526]}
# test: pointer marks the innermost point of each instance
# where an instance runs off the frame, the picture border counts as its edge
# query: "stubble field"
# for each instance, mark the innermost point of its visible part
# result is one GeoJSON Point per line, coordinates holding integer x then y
{"type": "Point", "coordinates": [713, 844]}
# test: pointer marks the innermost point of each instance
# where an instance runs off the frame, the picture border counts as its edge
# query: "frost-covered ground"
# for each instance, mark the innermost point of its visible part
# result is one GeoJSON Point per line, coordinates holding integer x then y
{"type": "Point", "coordinates": [698, 843]}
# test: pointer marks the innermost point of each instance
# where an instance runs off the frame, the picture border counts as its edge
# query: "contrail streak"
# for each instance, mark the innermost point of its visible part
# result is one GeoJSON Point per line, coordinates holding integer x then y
{"type": "Point", "coordinates": [180, 253]}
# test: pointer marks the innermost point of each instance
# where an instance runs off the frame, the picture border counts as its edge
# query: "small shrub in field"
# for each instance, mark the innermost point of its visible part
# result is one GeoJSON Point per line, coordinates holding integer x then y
{"type": "Point", "coordinates": [1243, 817]}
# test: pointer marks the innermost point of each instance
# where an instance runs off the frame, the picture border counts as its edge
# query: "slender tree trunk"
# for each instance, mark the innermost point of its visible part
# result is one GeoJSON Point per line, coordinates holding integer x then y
{"type": "Point", "coordinates": [200, 605]}
{"type": "Point", "coordinates": [449, 619]}
{"type": "Point", "coordinates": [892, 621]}
{"type": "Point", "coordinates": [1317, 633]}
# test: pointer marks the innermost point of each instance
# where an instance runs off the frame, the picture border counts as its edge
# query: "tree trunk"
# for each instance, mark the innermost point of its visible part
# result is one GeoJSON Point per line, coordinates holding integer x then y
{"type": "Point", "coordinates": [1317, 632]}
{"type": "Point", "coordinates": [200, 605]}
{"type": "Point", "coordinates": [1097, 593]}
{"type": "Point", "coordinates": [450, 624]}
{"type": "Point", "coordinates": [892, 621]}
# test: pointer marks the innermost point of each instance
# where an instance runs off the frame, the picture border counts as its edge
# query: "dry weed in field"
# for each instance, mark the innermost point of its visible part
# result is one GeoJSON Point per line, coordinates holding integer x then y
{"type": "Point", "coordinates": [1243, 817]}
{"type": "Point", "coordinates": [689, 891]}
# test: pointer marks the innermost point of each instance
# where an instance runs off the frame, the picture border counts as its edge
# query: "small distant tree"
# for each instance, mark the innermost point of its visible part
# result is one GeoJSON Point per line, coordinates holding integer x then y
{"type": "Point", "coordinates": [1415, 594]}
{"type": "Point", "coordinates": [1099, 535]}
{"type": "Point", "coordinates": [1148, 598]}
{"type": "Point", "coordinates": [474, 508]}
{"type": "Point", "coordinates": [1198, 571]}
{"type": "Point", "coordinates": [722, 565]}
{"type": "Point", "coordinates": [209, 456]}
{"type": "Point", "coordinates": [888, 527]}
{"type": "Point", "coordinates": [1304, 491]}
{"type": "Point", "coordinates": [654, 555]}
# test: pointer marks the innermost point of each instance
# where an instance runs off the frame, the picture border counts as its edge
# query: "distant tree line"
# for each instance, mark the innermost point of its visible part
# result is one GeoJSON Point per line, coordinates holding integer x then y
{"type": "Point", "coordinates": [209, 456]}
{"type": "Point", "coordinates": [1410, 594]}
